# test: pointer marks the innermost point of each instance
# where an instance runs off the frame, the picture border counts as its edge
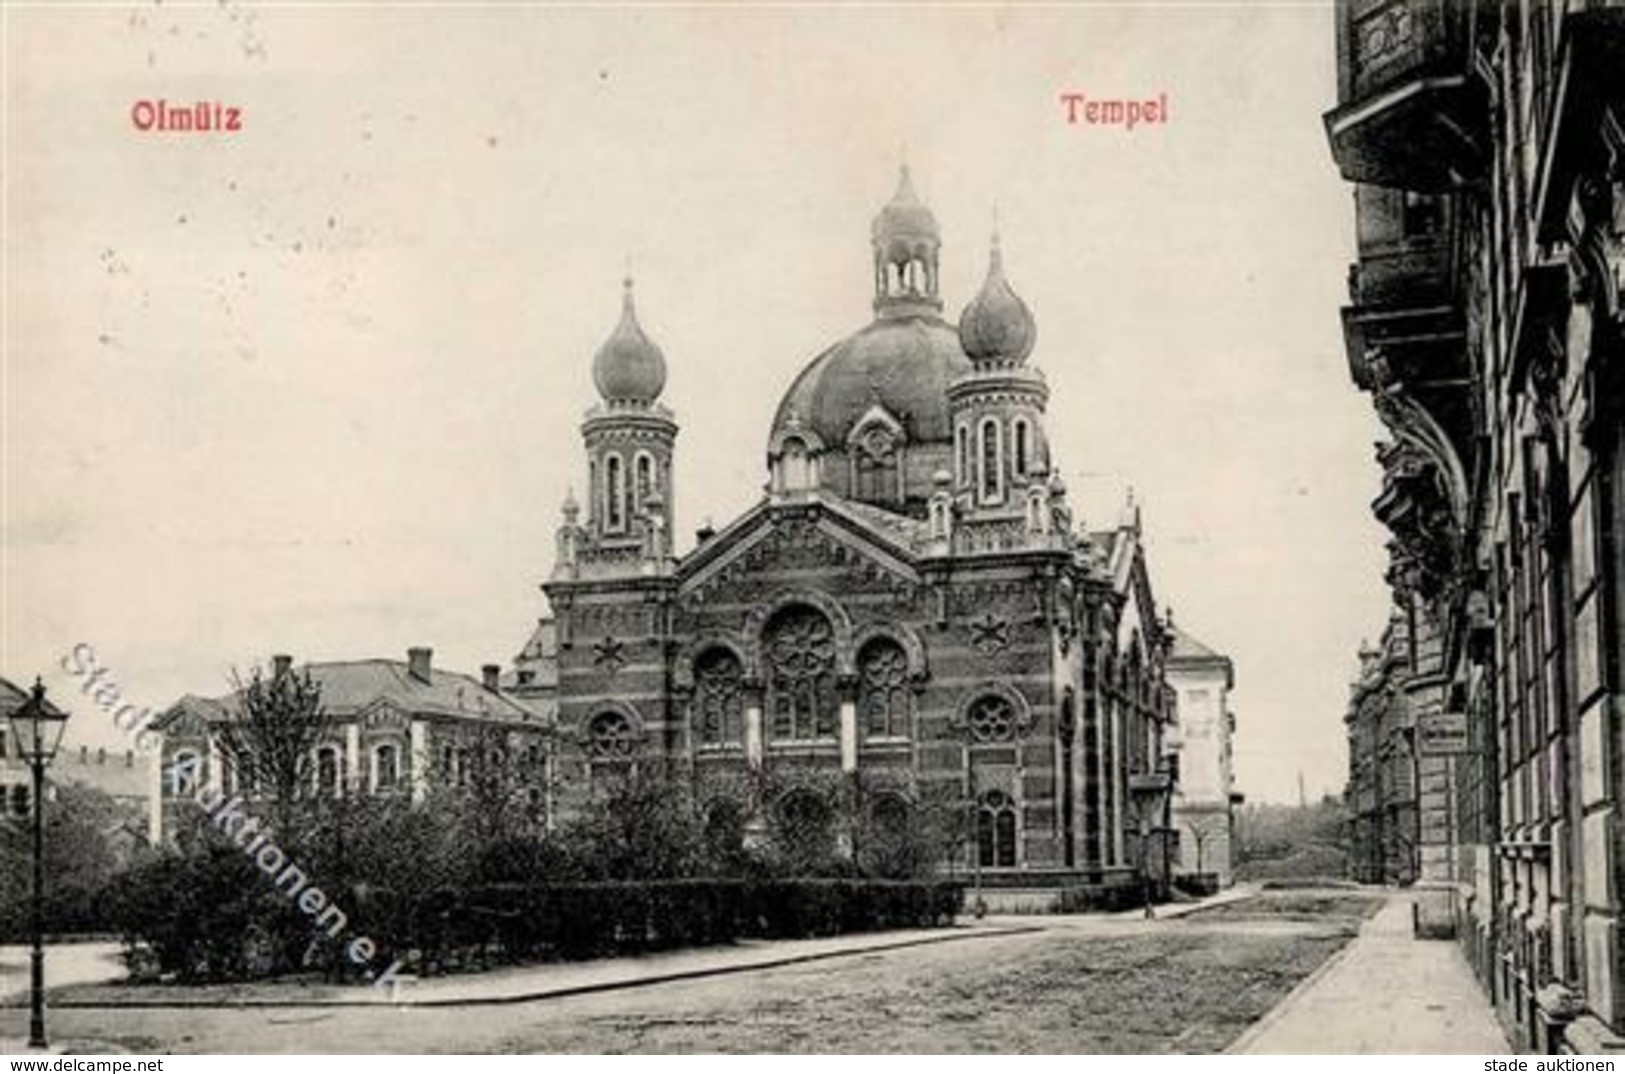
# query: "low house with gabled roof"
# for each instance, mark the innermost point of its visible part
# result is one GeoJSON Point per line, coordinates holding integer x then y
{"type": "Point", "coordinates": [396, 727]}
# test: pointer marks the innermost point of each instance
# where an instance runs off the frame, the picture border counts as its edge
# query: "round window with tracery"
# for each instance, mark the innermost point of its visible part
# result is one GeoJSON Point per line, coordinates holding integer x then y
{"type": "Point", "coordinates": [610, 737]}
{"type": "Point", "coordinates": [992, 719]}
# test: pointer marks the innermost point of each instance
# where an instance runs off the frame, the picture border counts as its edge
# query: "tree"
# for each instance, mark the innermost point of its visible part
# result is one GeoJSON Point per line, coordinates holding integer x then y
{"type": "Point", "coordinates": [643, 826]}
{"type": "Point", "coordinates": [83, 831]}
{"type": "Point", "coordinates": [270, 741]}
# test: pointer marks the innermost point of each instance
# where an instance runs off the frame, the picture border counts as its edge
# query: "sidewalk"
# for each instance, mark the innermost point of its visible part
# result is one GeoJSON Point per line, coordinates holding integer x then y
{"type": "Point", "coordinates": [65, 964]}
{"type": "Point", "coordinates": [1385, 993]}
{"type": "Point", "coordinates": [518, 984]}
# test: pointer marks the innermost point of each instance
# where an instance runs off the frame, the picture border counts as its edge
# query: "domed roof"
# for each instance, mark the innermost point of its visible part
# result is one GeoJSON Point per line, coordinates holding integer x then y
{"type": "Point", "coordinates": [629, 368]}
{"type": "Point", "coordinates": [903, 364]}
{"type": "Point", "coordinates": [905, 216]}
{"type": "Point", "coordinates": [997, 325]}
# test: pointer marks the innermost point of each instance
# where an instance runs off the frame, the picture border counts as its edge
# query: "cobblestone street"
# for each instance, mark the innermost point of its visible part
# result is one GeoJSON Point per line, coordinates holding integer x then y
{"type": "Point", "coordinates": [1078, 984]}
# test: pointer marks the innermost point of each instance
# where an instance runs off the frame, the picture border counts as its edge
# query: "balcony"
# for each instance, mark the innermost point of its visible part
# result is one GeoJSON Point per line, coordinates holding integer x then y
{"type": "Point", "coordinates": [1404, 306]}
{"type": "Point", "coordinates": [1409, 112]}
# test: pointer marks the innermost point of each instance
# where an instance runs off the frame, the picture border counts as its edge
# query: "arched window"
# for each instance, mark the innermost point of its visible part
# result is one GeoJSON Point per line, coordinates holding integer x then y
{"type": "Point", "coordinates": [992, 719]}
{"type": "Point", "coordinates": [887, 700]}
{"type": "Point", "coordinates": [996, 831]}
{"type": "Point", "coordinates": [719, 700]}
{"type": "Point", "coordinates": [184, 773]}
{"type": "Point", "coordinates": [877, 476]}
{"type": "Point", "coordinates": [1020, 449]}
{"type": "Point", "coordinates": [386, 768]}
{"type": "Point", "coordinates": [610, 737]}
{"type": "Point", "coordinates": [644, 481]}
{"type": "Point", "coordinates": [962, 455]}
{"type": "Point", "coordinates": [327, 771]}
{"type": "Point", "coordinates": [614, 494]}
{"type": "Point", "coordinates": [724, 829]}
{"type": "Point", "coordinates": [799, 650]}
{"type": "Point", "coordinates": [794, 469]}
{"type": "Point", "coordinates": [991, 457]}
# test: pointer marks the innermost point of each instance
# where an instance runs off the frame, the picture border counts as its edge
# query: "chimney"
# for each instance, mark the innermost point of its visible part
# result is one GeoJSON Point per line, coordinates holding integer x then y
{"type": "Point", "coordinates": [489, 676]}
{"type": "Point", "coordinates": [281, 664]}
{"type": "Point", "coordinates": [417, 662]}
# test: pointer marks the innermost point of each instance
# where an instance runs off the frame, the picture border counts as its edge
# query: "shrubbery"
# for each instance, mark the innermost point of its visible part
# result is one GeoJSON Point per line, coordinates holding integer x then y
{"type": "Point", "coordinates": [633, 871]}
{"type": "Point", "coordinates": [80, 856]}
{"type": "Point", "coordinates": [206, 918]}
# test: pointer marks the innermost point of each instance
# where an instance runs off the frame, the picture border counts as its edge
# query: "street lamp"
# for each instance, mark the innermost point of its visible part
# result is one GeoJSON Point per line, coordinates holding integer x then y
{"type": "Point", "coordinates": [37, 727]}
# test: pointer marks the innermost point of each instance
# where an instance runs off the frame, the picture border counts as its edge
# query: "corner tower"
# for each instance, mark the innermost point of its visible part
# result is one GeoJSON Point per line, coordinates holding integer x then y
{"type": "Point", "coordinates": [629, 439]}
{"type": "Point", "coordinates": [1001, 454]}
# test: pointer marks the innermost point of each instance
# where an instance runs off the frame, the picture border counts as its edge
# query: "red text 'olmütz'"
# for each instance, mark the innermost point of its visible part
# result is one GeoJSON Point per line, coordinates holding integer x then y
{"type": "Point", "coordinates": [199, 117]}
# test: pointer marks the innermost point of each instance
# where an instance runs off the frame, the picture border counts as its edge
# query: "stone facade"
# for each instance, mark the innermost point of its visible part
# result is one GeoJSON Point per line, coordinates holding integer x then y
{"type": "Point", "coordinates": [909, 619]}
{"type": "Point", "coordinates": [1206, 796]}
{"type": "Point", "coordinates": [1486, 143]}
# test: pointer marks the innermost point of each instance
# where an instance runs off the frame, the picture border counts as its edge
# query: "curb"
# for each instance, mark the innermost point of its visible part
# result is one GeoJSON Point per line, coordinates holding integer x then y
{"type": "Point", "coordinates": [1277, 1012]}
{"type": "Point", "coordinates": [1174, 911]}
{"type": "Point", "coordinates": [559, 992]}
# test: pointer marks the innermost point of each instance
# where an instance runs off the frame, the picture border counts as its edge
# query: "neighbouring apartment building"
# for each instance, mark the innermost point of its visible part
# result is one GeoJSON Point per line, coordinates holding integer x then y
{"type": "Point", "coordinates": [1384, 826]}
{"type": "Point", "coordinates": [1486, 146]}
{"type": "Point", "coordinates": [123, 775]}
{"type": "Point", "coordinates": [1205, 796]}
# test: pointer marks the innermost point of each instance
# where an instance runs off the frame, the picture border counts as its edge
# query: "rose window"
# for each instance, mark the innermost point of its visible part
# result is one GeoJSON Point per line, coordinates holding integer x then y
{"type": "Point", "coordinates": [610, 737]}
{"type": "Point", "coordinates": [992, 719]}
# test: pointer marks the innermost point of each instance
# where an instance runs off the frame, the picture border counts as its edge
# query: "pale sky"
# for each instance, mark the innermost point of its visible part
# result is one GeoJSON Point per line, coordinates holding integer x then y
{"type": "Point", "coordinates": [315, 386]}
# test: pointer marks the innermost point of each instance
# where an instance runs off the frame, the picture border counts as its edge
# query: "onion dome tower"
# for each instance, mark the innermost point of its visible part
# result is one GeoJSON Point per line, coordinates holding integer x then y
{"type": "Point", "coordinates": [906, 244]}
{"type": "Point", "coordinates": [629, 437]}
{"type": "Point", "coordinates": [997, 408]}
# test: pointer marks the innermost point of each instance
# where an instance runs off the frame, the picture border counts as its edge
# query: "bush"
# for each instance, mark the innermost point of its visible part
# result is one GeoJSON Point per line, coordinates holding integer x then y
{"type": "Point", "coordinates": [202, 919]}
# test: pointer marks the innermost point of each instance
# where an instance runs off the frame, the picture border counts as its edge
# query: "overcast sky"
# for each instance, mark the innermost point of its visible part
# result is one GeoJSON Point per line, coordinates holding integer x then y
{"type": "Point", "coordinates": [315, 386]}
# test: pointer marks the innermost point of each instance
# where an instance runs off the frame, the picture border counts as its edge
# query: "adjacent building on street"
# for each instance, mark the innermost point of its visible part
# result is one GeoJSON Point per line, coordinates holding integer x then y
{"type": "Point", "coordinates": [1205, 795]}
{"type": "Point", "coordinates": [1486, 147]}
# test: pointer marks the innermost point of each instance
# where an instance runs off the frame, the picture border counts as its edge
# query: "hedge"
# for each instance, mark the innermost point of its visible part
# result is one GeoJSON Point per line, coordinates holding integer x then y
{"type": "Point", "coordinates": [478, 926]}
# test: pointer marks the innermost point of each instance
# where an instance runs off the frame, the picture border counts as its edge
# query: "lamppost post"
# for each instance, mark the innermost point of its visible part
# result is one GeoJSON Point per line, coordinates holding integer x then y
{"type": "Point", "coordinates": [37, 728]}
{"type": "Point", "coordinates": [36, 958]}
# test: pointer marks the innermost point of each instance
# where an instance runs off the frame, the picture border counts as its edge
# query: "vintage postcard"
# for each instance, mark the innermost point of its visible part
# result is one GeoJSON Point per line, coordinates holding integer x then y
{"type": "Point", "coordinates": [786, 528]}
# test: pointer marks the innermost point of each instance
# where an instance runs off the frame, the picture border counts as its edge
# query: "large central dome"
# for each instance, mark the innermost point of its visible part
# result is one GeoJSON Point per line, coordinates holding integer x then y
{"type": "Point", "coordinates": [902, 363]}
{"type": "Point", "coordinates": [871, 419]}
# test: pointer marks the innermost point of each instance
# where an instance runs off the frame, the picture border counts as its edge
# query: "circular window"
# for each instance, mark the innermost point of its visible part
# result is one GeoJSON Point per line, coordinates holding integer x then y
{"type": "Point", "coordinates": [610, 736]}
{"type": "Point", "coordinates": [992, 719]}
